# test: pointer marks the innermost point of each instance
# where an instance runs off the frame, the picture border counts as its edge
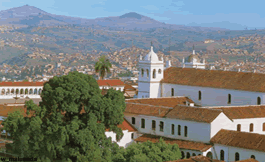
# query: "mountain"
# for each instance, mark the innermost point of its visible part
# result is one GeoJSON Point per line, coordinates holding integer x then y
{"type": "Point", "coordinates": [32, 16]}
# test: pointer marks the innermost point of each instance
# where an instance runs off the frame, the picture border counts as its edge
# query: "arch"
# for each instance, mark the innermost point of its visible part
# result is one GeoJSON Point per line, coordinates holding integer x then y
{"type": "Point", "coordinates": [188, 155]}
{"type": "Point", "coordinates": [40, 90]}
{"type": "Point", "coordinates": [172, 91]}
{"type": "Point", "coordinates": [154, 73]}
{"type": "Point", "coordinates": [237, 156]}
{"type": "Point", "coordinates": [252, 157]}
{"type": "Point", "coordinates": [193, 154]}
{"type": "Point", "coordinates": [222, 155]}
{"type": "Point", "coordinates": [142, 123]}
{"type": "Point", "coordinates": [153, 125]}
{"type": "Point", "coordinates": [30, 91]}
{"type": "Point", "coordinates": [200, 95]}
{"type": "Point", "coordinates": [209, 155]}
{"type": "Point", "coordinates": [159, 71]}
{"type": "Point", "coordinates": [251, 127]}
{"type": "Point", "coordinates": [3, 91]}
{"type": "Point", "coordinates": [179, 130]}
{"type": "Point", "coordinates": [229, 99]}
{"type": "Point", "coordinates": [258, 101]}
{"type": "Point", "coordinates": [26, 91]}
{"type": "Point", "coordinates": [17, 91]}
{"type": "Point", "coordinates": [35, 91]}
{"type": "Point", "coordinates": [142, 72]}
{"type": "Point", "coordinates": [182, 155]}
{"type": "Point", "coordinates": [8, 91]}
{"type": "Point", "coordinates": [147, 73]}
{"type": "Point", "coordinates": [172, 129]}
{"type": "Point", "coordinates": [12, 91]}
{"type": "Point", "coordinates": [263, 125]}
{"type": "Point", "coordinates": [238, 127]}
{"type": "Point", "coordinates": [21, 91]}
{"type": "Point", "coordinates": [186, 131]}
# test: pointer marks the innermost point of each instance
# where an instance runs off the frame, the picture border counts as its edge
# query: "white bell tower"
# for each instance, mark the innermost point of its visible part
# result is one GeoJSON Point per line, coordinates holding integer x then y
{"type": "Point", "coordinates": [151, 72]}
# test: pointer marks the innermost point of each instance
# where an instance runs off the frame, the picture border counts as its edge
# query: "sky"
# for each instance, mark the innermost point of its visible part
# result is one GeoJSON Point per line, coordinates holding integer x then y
{"type": "Point", "coordinates": [231, 14]}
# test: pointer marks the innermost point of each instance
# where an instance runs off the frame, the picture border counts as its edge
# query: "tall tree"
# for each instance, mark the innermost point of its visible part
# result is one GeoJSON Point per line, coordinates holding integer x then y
{"type": "Point", "coordinates": [103, 66]}
{"type": "Point", "coordinates": [69, 123]}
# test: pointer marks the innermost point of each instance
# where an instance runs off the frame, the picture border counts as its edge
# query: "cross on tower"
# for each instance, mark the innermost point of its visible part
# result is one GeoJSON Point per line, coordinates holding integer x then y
{"type": "Point", "coordinates": [151, 43]}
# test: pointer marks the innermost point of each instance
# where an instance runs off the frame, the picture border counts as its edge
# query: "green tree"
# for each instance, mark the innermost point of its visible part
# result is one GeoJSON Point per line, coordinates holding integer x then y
{"type": "Point", "coordinates": [103, 66]}
{"type": "Point", "coordinates": [69, 123]}
{"type": "Point", "coordinates": [149, 152]}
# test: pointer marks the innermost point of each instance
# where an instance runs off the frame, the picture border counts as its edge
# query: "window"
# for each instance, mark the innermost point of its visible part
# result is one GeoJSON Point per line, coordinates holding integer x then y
{"type": "Point", "coordinates": [251, 127]}
{"type": "Point", "coordinates": [186, 131]}
{"type": "Point", "coordinates": [142, 72]}
{"type": "Point", "coordinates": [209, 155]}
{"type": "Point", "coordinates": [143, 96]}
{"type": "Point", "coordinates": [188, 155]}
{"type": "Point", "coordinates": [253, 157]}
{"type": "Point", "coordinates": [147, 73]}
{"type": "Point", "coordinates": [133, 120]}
{"type": "Point", "coordinates": [239, 127]}
{"type": "Point", "coordinates": [193, 154]}
{"type": "Point", "coordinates": [172, 91]}
{"type": "Point", "coordinates": [132, 135]}
{"type": "Point", "coordinates": [229, 99]}
{"type": "Point", "coordinates": [153, 125]}
{"type": "Point", "coordinates": [179, 130]}
{"type": "Point", "coordinates": [258, 101]}
{"type": "Point", "coordinates": [200, 95]}
{"type": "Point", "coordinates": [154, 73]}
{"type": "Point", "coordinates": [159, 71]}
{"type": "Point", "coordinates": [142, 123]}
{"type": "Point", "coordinates": [222, 155]}
{"type": "Point", "coordinates": [237, 156]}
{"type": "Point", "coordinates": [182, 155]}
{"type": "Point", "coordinates": [263, 126]}
{"type": "Point", "coordinates": [172, 129]}
{"type": "Point", "coordinates": [161, 126]}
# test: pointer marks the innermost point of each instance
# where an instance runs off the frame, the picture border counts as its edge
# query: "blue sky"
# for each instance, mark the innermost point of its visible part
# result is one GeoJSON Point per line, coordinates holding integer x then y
{"type": "Point", "coordinates": [233, 14]}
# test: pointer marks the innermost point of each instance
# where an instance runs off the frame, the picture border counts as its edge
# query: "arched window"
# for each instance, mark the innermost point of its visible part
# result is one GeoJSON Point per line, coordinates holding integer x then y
{"type": "Point", "coordinates": [143, 123]}
{"type": "Point", "coordinates": [209, 155]}
{"type": "Point", "coordinates": [179, 130]}
{"type": "Point", "coordinates": [172, 91]}
{"type": "Point", "coordinates": [154, 73]}
{"type": "Point", "coordinates": [258, 101]}
{"type": "Point", "coordinates": [263, 125]}
{"type": "Point", "coordinates": [159, 71]}
{"type": "Point", "coordinates": [153, 125]}
{"type": "Point", "coordinates": [237, 156]}
{"type": "Point", "coordinates": [147, 73]}
{"type": "Point", "coordinates": [252, 157]}
{"type": "Point", "coordinates": [251, 127]}
{"type": "Point", "coordinates": [132, 135]}
{"type": "Point", "coordinates": [193, 154]}
{"type": "Point", "coordinates": [188, 155]}
{"type": "Point", "coordinates": [229, 99]}
{"type": "Point", "coordinates": [239, 127]}
{"type": "Point", "coordinates": [186, 131]}
{"type": "Point", "coordinates": [222, 155]}
{"type": "Point", "coordinates": [133, 120]}
{"type": "Point", "coordinates": [161, 125]}
{"type": "Point", "coordinates": [172, 129]}
{"type": "Point", "coordinates": [200, 95]}
{"type": "Point", "coordinates": [142, 72]}
{"type": "Point", "coordinates": [182, 155]}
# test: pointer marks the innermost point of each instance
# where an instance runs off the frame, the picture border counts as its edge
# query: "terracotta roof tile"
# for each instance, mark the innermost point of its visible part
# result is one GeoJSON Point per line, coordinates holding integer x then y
{"type": "Point", "coordinates": [248, 160]}
{"type": "Point", "coordinates": [199, 158]}
{"type": "Point", "coordinates": [245, 140]}
{"type": "Point", "coordinates": [242, 112]}
{"type": "Point", "coordinates": [128, 87]}
{"type": "Point", "coordinates": [183, 144]}
{"type": "Point", "coordinates": [193, 113]}
{"type": "Point", "coordinates": [114, 82]}
{"type": "Point", "coordinates": [126, 126]}
{"type": "Point", "coordinates": [165, 101]}
{"type": "Point", "coordinates": [12, 84]}
{"type": "Point", "coordinates": [215, 78]}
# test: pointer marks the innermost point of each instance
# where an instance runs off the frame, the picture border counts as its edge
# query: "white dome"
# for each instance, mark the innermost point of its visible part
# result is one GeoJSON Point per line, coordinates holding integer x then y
{"type": "Point", "coordinates": [151, 56]}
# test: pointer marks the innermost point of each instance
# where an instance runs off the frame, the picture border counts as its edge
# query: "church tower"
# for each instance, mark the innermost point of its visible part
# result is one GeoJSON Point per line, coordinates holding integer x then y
{"type": "Point", "coordinates": [151, 72]}
{"type": "Point", "coordinates": [193, 61]}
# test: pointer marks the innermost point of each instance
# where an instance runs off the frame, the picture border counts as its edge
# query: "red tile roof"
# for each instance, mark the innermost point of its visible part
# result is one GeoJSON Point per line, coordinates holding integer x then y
{"type": "Point", "coordinates": [13, 84]}
{"type": "Point", "coordinates": [126, 126]}
{"type": "Point", "coordinates": [245, 140]}
{"type": "Point", "coordinates": [193, 114]}
{"type": "Point", "coordinates": [183, 144]}
{"type": "Point", "coordinates": [113, 82]}
{"type": "Point", "coordinates": [242, 112]}
{"type": "Point", "coordinates": [248, 160]}
{"type": "Point", "coordinates": [128, 87]}
{"type": "Point", "coordinates": [215, 79]}
{"type": "Point", "coordinates": [198, 158]}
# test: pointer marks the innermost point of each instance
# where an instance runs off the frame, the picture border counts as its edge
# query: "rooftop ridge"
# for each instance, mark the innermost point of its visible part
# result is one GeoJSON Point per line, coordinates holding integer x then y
{"type": "Point", "coordinates": [156, 98]}
{"type": "Point", "coordinates": [197, 107]}
{"type": "Point", "coordinates": [213, 107]}
{"type": "Point", "coordinates": [149, 105]}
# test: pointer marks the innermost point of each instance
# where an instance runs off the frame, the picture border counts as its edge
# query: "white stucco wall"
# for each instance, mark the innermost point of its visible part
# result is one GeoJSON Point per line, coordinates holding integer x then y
{"type": "Point", "coordinates": [126, 139]}
{"type": "Point", "coordinates": [109, 87]}
{"type": "Point", "coordinates": [11, 96]}
{"type": "Point", "coordinates": [245, 124]}
{"type": "Point", "coordinates": [213, 96]}
{"type": "Point", "coordinates": [244, 153]}
{"type": "Point", "coordinates": [221, 122]}
{"type": "Point", "coordinates": [191, 152]}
